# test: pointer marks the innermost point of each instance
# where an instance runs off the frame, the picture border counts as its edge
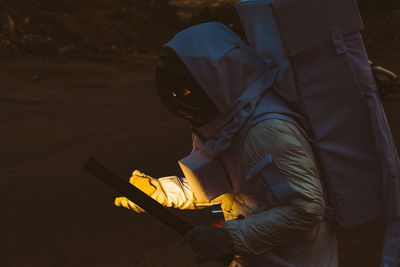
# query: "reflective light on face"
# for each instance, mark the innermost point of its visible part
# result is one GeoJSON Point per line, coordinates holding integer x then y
{"type": "Point", "coordinates": [186, 92]}
{"type": "Point", "coordinates": [180, 96]}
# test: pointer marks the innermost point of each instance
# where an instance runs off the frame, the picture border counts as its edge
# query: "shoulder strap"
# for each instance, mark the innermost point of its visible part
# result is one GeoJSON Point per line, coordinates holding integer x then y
{"type": "Point", "coordinates": [282, 188]}
{"type": "Point", "coordinates": [279, 190]}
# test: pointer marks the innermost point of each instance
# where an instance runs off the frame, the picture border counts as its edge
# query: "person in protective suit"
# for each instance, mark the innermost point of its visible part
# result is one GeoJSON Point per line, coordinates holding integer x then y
{"type": "Point", "coordinates": [209, 77]}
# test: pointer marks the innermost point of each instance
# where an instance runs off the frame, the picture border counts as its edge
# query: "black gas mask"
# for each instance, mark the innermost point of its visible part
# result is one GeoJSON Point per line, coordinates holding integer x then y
{"type": "Point", "coordinates": [180, 92]}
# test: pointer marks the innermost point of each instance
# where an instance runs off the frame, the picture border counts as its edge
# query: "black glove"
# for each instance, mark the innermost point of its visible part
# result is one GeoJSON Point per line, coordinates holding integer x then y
{"type": "Point", "coordinates": [209, 242]}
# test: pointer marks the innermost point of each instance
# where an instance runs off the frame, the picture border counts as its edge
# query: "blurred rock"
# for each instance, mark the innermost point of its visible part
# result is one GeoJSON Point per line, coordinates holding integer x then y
{"type": "Point", "coordinates": [382, 30]}
{"type": "Point", "coordinates": [34, 78]}
{"type": "Point", "coordinates": [9, 24]}
{"type": "Point", "coordinates": [47, 27]}
{"type": "Point", "coordinates": [65, 49]}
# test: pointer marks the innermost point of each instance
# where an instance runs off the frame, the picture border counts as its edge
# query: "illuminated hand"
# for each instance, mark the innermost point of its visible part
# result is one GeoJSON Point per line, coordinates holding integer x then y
{"type": "Point", "coordinates": [126, 203]}
{"type": "Point", "coordinates": [147, 184]}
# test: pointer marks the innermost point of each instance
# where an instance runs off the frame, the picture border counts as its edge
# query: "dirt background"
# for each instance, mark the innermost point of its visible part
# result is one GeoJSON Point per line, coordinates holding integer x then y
{"type": "Point", "coordinates": [74, 87]}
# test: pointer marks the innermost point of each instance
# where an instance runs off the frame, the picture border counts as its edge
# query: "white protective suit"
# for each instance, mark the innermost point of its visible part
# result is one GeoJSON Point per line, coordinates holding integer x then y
{"type": "Point", "coordinates": [238, 82]}
{"type": "Point", "coordinates": [295, 233]}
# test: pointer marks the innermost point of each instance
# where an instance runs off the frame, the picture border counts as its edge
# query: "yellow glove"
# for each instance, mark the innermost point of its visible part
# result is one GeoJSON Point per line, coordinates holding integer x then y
{"type": "Point", "coordinates": [148, 185]}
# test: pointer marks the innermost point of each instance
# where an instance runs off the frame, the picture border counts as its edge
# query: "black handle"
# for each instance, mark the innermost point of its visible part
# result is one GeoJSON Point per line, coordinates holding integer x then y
{"type": "Point", "coordinates": [144, 201]}
{"type": "Point", "coordinates": [140, 198]}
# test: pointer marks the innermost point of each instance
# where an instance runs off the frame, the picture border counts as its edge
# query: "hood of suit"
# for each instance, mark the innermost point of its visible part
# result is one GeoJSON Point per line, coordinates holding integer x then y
{"type": "Point", "coordinates": [233, 76]}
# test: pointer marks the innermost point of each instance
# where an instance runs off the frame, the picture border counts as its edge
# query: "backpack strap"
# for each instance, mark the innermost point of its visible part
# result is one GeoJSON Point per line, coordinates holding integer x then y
{"type": "Point", "coordinates": [278, 187]}
{"type": "Point", "coordinates": [279, 190]}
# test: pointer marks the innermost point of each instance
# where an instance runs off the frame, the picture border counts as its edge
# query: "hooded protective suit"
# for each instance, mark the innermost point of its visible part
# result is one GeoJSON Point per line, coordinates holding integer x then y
{"type": "Point", "coordinates": [288, 233]}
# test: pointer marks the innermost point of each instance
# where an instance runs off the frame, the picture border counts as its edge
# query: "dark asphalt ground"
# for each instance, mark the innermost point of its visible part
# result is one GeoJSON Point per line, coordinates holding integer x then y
{"type": "Point", "coordinates": [55, 113]}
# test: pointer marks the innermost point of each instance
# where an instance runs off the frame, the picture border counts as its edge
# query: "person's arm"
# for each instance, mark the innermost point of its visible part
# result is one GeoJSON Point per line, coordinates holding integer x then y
{"type": "Point", "coordinates": [179, 195]}
{"type": "Point", "coordinates": [169, 191]}
{"type": "Point", "coordinates": [269, 229]}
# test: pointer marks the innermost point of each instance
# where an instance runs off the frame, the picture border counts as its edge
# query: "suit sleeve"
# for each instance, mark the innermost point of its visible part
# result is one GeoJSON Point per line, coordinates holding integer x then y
{"type": "Point", "coordinates": [176, 193]}
{"type": "Point", "coordinates": [266, 230]}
